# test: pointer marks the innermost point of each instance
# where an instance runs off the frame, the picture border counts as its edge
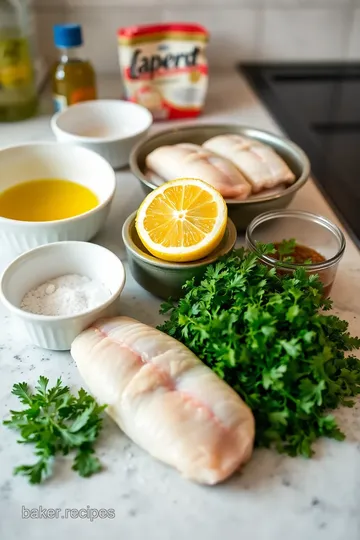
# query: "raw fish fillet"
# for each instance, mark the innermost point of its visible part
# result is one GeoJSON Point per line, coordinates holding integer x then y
{"type": "Point", "coordinates": [165, 399]}
{"type": "Point", "coordinates": [258, 162]}
{"type": "Point", "coordinates": [271, 192]}
{"type": "Point", "coordinates": [192, 161]}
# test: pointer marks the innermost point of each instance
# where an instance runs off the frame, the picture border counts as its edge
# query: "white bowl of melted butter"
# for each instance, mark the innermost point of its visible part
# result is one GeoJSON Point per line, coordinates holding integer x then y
{"type": "Point", "coordinates": [109, 127]}
{"type": "Point", "coordinates": [51, 192]}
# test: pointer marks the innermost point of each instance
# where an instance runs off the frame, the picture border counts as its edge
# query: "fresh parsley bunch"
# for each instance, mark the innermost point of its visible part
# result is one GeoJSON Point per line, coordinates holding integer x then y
{"type": "Point", "coordinates": [268, 337]}
{"type": "Point", "coordinates": [56, 422]}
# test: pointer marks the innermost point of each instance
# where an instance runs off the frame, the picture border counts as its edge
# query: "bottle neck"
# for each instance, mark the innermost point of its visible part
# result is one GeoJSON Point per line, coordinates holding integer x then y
{"type": "Point", "coordinates": [70, 54]}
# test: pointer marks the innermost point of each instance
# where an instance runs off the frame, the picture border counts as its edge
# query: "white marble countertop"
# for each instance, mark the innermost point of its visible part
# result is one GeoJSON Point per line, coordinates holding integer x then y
{"type": "Point", "coordinates": [274, 498]}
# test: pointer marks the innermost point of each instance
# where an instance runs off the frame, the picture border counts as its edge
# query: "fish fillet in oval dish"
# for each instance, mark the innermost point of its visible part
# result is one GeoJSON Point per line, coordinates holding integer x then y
{"type": "Point", "coordinates": [187, 160]}
{"type": "Point", "coordinates": [258, 162]}
{"type": "Point", "coordinates": [165, 399]}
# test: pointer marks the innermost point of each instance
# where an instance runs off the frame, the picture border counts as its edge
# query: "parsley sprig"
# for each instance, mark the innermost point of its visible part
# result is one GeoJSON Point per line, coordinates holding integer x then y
{"type": "Point", "coordinates": [286, 249]}
{"type": "Point", "coordinates": [56, 422]}
{"type": "Point", "coordinates": [268, 337]}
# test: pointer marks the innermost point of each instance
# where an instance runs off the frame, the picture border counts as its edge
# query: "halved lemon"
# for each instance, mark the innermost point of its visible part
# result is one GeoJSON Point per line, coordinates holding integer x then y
{"type": "Point", "coordinates": [182, 220]}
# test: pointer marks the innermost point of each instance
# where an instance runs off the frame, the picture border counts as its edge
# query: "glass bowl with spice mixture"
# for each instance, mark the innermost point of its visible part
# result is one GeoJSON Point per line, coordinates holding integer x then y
{"type": "Point", "coordinates": [300, 239]}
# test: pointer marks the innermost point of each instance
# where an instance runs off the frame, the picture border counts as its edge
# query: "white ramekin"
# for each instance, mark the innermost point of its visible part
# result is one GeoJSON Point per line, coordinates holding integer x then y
{"type": "Point", "coordinates": [46, 262]}
{"type": "Point", "coordinates": [109, 127]}
{"type": "Point", "coordinates": [65, 161]}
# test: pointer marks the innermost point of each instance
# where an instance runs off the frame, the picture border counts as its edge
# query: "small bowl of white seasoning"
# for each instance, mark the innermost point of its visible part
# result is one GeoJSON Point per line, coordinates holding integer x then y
{"type": "Point", "coordinates": [56, 291]}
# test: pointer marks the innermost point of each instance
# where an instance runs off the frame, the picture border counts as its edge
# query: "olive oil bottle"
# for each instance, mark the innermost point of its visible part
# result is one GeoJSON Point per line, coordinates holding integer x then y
{"type": "Point", "coordinates": [73, 78]}
{"type": "Point", "coordinates": [18, 99]}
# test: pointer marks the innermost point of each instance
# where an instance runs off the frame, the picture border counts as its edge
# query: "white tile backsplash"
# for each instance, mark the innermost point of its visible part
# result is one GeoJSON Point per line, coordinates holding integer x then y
{"type": "Point", "coordinates": [306, 34]}
{"type": "Point", "coordinates": [269, 30]}
{"type": "Point", "coordinates": [354, 41]}
{"type": "Point", "coordinates": [233, 32]}
{"type": "Point", "coordinates": [309, 4]}
{"type": "Point", "coordinates": [100, 31]}
{"type": "Point", "coordinates": [44, 22]}
{"type": "Point", "coordinates": [289, 4]}
{"type": "Point", "coordinates": [103, 4]}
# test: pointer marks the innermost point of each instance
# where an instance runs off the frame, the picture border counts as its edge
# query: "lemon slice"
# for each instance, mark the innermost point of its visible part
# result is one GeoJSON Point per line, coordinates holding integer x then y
{"type": "Point", "coordinates": [182, 220]}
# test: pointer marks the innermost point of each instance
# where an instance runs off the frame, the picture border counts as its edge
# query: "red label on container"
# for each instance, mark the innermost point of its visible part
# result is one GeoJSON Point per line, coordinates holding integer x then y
{"type": "Point", "coordinates": [164, 68]}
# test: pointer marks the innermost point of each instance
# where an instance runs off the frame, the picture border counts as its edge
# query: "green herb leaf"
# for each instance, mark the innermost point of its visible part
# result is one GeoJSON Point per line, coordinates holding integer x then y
{"type": "Point", "coordinates": [35, 473]}
{"type": "Point", "coordinates": [286, 249]}
{"type": "Point", "coordinates": [56, 422]}
{"type": "Point", "coordinates": [269, 337]}
{"type": "Point", "coordinates": [86, 463]}
{"type": "Point", "coordinates": [22, 391]}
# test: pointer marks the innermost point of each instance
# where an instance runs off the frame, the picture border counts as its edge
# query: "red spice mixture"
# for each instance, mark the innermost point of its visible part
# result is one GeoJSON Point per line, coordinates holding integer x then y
{"type": "Point", "coordinates": [299, 254]}
{"type": "Point", "coordinates": [289, 252]}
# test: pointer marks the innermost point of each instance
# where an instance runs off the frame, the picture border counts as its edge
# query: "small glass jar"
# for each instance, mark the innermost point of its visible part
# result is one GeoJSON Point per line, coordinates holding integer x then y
{"type": "Point", "coordinates": [308, 230]}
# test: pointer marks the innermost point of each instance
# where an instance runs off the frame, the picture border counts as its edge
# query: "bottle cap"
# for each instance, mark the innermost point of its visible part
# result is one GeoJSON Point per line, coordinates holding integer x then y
{"type": "Point", "coordinates": [67, 35]}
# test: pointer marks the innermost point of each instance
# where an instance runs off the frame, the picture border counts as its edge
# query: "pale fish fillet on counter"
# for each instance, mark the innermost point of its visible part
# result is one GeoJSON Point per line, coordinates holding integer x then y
{"type": "Point", "coordinates": [165, 399]}
{"type": "Point", "coordinates": [260, 164]}
{"type": "Point", "coordinates": [192, 161]}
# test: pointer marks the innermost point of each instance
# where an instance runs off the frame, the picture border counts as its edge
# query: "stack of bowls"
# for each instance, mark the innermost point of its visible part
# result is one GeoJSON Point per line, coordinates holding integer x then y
{"type": "Point", "coordinates": [94, 137]}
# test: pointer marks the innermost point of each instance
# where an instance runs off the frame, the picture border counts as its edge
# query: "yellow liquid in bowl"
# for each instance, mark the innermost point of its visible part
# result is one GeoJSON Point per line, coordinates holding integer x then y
{"type": "Point", "coordinates": [46, 200]}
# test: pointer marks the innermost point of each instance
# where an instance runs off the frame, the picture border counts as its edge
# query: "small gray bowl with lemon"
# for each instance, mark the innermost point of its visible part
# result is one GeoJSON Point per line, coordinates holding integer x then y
{"type": "Point", "coordinates": [165, 279]}
{"type": "Point", "coordinates": [179, 228]}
